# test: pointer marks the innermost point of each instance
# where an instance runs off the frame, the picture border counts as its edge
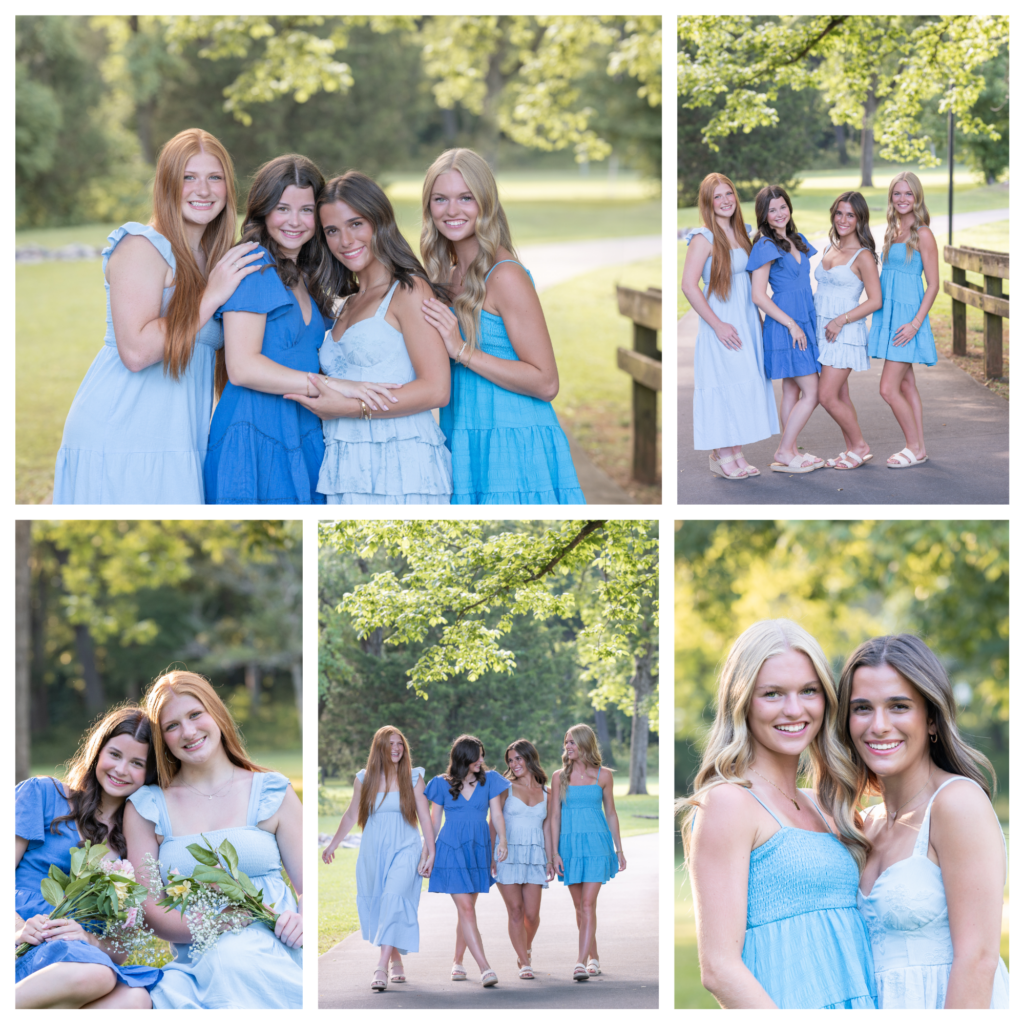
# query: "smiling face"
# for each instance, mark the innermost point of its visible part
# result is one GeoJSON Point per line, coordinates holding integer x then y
{"type": "Point", "coordinates": [788, 705]}
{"type": "Point", "coordinates": [453, 209]}
{"type": "Point", "coordinates": [902, 197]}
{"type": "Point", "coordinates": [723, 200]}
{"type": "Point", "coordinates": [204, 189]}
{"type": "Point", "coordinates": [349, 235]}
{"type": "Point", "coordinates": [121, 766]}
{"type": "Point", "coordinates": [517, 764]}
{"type": "Point", "coordinates": [778, 216]}
{"type": "Point", "coordinates": [845, 221]}
{"type": "Point", "coordinates": [396, 748]}
{"type": "Point", "coordinates": [572, 751]}
{"type": "Point", "coordinates": [477, 764]}
{"type": "Point", "coordinates": [292, 223]}
{"type": "Point", "coordinates": [189, 730]}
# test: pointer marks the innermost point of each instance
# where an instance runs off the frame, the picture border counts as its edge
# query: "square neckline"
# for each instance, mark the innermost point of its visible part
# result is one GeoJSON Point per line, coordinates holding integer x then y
{"type": "Point", "coordinates": [249, 810]}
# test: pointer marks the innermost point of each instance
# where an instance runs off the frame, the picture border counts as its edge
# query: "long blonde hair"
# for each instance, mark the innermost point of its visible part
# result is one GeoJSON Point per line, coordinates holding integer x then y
{"type": "Point", "coordinates": [729, 751]}
{"type": "Point", "coordinates": [379, 763]}
{"type": "Point", "coordinates": [721, 252]}
{"type": "Point", "coordinates": [438, 253]}
{"type": "Point", "coordinates": [182, 316]}
{"type": "Point", "coordinates": [588, 750]}
{"type": "Point", "coordinates": [893, 224]}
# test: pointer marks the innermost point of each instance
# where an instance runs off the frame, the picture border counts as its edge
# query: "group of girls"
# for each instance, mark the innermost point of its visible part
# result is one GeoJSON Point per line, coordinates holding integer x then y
{"type": "Point", "coordinates": [803, 898]}
{"type": "Point", "coordinates": [811, 340]}
{"type": "Point", "coordinates": [533, 834]}
{"type": "Point", "coordinates": [325, 343]}
{"type": "Point", "coordinates": [153, 780]}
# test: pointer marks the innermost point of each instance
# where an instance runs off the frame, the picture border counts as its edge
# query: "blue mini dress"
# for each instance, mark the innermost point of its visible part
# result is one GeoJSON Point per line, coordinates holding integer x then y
{"type": "Point", "coordinates": [463, 859]}
{"type": "Point", "coordinates": [791, 292]}
{"type": "Point", "coordinates": [264, 450]}
{"type": "Point", "coordinates": [584, 840]}
{"type": "Point", "coordinates": [902, 294]}
{"type": "Point", "coordinates": [138, 438]}
{"type": "Point", "coordinates": [507, 449]}
{"type": "Point", "coordinates": [37, 801]}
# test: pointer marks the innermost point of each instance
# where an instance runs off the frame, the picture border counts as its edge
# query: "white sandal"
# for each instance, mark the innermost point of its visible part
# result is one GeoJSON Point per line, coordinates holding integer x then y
{"type": "Point", "coordinates": [911, 460]}
{"type": "Point", "coordinates": [579, 973]}
{"type": "Point", "coordinates": [593, 967]}
{"type": "Point", "coordinates": [488, 979]}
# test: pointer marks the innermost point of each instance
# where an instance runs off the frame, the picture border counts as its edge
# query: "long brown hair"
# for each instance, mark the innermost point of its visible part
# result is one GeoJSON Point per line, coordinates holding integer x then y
{"type": "Point", "coordinates": [528, 752]}
{"type": "Point", "coordinates": [379, 764]}
{"type": "Point", "coordinates": [182, 315]}
{"type": "Point", "coordinates": [188, 684]}
{"type": "Point", "coordinates": [465, 751]}
{"type": "Point", "coordinates": [83, 789]}
{"type": "Point", "coordinates": [894, 223]}
{"type": "Point", "coordinates": [721, 252]}
{"type": "Point", "coordinates": [791, 237]}
{"type": "Point", "coordinates": [859, 205]}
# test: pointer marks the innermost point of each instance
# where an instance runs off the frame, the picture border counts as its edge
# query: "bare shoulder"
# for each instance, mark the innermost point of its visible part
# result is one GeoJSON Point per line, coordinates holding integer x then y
{"type": "Point", "coordinates": [963, 806]}
{"type": "Point", "coordinates": [509, 280]}
{"type": "Point", "coordinates": [925, 238]}
{"type": "Point", "coordinates": [724, 804]}
{"type": "Point", "coordinates": [413, 296]}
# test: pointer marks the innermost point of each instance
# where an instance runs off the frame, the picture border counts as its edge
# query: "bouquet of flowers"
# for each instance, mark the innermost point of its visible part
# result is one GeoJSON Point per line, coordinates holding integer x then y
{"type": "Point", "coordinates": [97, 892]}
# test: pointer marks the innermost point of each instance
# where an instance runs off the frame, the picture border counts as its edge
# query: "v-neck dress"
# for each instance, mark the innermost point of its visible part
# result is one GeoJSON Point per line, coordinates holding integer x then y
{"type": "Point", "coordinates": [839, 291]}
{"type": "Point", "coordinates": [902, 295]}
{"type": "Point", "coordinates": [585, 841]}
{"type": "Point", "coordinates": [908, 920]}
{"type": "Point", "coordinates": [252, 969]}
{"type": "Point", "coordinates": [462, 862]}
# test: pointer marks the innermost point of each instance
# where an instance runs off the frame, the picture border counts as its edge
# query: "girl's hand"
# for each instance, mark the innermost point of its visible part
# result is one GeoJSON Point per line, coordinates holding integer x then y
{"type": "Point", "coordinates": [445, 322]}
{"type": "Point", "coordinates": [729, 336]}
{"type": "Point", "coordinates": [288, 928]}
{"type": "Point", "coordinates": [64, 928]}
{"type": "Point", "coordinates": [904, 335]}
{"type": "Point", "coordinates": [549, 872]}
{"type": "Point", "coordinates": [494, 869]}
{"type": "Point", "coordinates": [833, 327]}
{"type": "Point", "coordinates": [328, 854]}
{"type": "Point", "coordinates": [501, 851]}
{"type": "Point", "coordinates": [426, 863]}
{"type": "Point", "coordinates": [32, 931]}
{"type": "Point", "coordinates": [374, 395]}
{"type": "Point", "coordinates": [798, 336]}
{"type": "Point", "coordinates": [232, 267]}
{"type": "Point", "coordinates": [622, 861]}
{"type": "Point", "coordinates": [559, 866]}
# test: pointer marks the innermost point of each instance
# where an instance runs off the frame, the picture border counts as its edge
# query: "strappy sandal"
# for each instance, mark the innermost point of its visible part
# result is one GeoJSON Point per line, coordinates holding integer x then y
{"type": "Point", "coordinates": [851, 460]}
{"type": "Point", "coordinates": [796, 465]}
{"type": "Point", "coordinates": [579, 973]}
{"type": "Point", "coordinates": [593, 967]}
{"type": "Point", "coordinates": [397, 974]}
{"type": "Point", "coordinates": [905, 459]}
{"type": "Point", "coordinates": [379, 984]}
{"type": "Point", "coordinates": [488, 979]}
{"type": "Point", "coordinates": [526, 973]}
{"type": "Point", "coordinates": [717, 467]}
{"type": "Point", "coordinates": [458, 972]}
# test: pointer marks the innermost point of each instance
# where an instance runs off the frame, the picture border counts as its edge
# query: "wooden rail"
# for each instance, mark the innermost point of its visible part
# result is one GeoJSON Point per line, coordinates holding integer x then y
{"type": "Point", "coordinates": [994, 268]}
{"type": "Point", "coordinates": [643, 364]}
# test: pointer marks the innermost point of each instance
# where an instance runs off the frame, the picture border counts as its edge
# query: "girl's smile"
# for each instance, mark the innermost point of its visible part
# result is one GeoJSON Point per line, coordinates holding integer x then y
{"type": "Point", "coordinates": [293, 221]}
{"type": "Point", "coordinates": [788, 706]}
{"type": "Point", "coordinates": [845, 220]}
{"type": "Point", "coordinates": [778, 215]}
{"type": "Point", "coordinates": [888, 720]}
{"type": "Point", "coordinates": [204, 190]}
{"type": "Point", "coordinates": [189, 730]}
{"type": "Point", "coordinates": [453, 209]}
{"type": "Point", "coordinates": [121, 766]}
{"type": "Point", "coordinates": [349, 235]}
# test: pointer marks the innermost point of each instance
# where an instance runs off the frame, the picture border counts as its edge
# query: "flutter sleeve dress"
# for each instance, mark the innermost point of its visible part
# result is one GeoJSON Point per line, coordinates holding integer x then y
{"type": "Point", "coordinates": [37, 801]}
{"type": "Point", "coordinates": [387, 881]}
{"type": "Point", "coordinates": [902, 294]}
{"type": "Point", "coordinates": [252, 969]}
{"type": "Point", "coordinates": [138, 438]}
{"type": "Point", "coordinates": [584, 839]}
{"type": "Point", "coordinates": [264, 450]}
{"type": "Point", "coordinates": [462, 862]}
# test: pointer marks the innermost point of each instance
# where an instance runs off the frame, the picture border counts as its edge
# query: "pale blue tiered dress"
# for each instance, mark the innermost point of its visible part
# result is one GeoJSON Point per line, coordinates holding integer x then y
{"type": "Point", "coordinates": [138, 438]}
{"type": "Point", "coordinates": [733, 401]}
{"type": "Point", "coordinates": [526, 863]}
{"type": "Point", "coordinates": [908, 920]}
{"type": "Point", "coordinates": [585, 842]}
{"type": "Point", "coordinates": [401, 460]}
{"type": "Point", "coordinates": [387, 881]}
{"type": "Point", "coordinates": [839, 291]}
{"type": "Point", "coordinates": [252, 969]}
{"type": "Point", "coordinates": [902, 294]}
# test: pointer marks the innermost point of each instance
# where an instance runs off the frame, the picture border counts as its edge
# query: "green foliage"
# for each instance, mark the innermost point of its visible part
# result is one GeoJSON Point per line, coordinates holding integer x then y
{"type": "Point", "coordinates": [991, 156]}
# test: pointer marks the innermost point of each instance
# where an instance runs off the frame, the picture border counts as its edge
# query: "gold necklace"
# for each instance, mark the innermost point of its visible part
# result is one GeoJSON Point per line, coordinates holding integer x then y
{"type": "Point", "coordinates": [905, 802]}
{"type": "Point", "coordinates": [216, 792]}
{"type": "Point", "coordinates": [772, 784]}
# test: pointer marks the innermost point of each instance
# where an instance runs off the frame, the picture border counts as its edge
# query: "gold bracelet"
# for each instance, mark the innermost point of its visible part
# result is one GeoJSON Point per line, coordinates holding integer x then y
{"type": "Point", "coordinates": [366, 412]}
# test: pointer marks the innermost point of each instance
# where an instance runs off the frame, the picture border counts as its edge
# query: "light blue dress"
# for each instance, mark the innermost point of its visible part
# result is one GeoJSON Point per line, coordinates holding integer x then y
{"type": "Point", "coordinates": [387, 882]}
{"type": "Point", "coordinates": [908, 920]}
{"type": "Point", "coordinates": [902, 294]}
{"type": "Point", "coordinates": [507, 449]}
{"type": "Point", "coordinates": [526, 863]}
{"type": "Point", "coordinates": [138, 438]}
{"type": "Point", "coordinates": [249, 970]}
{"type": "Point", "coordinates": [839, 291]}
{"type": "Point", "coordinates": [584, 839]}
{"type": "Point", "coordinates": [733, 401]}
{"type": "Point", "coordinates": [396, 461]}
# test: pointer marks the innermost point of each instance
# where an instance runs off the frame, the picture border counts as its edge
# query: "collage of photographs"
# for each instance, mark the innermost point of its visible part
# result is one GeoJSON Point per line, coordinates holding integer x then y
{"type": "Point", "coordinates": [243, 239]}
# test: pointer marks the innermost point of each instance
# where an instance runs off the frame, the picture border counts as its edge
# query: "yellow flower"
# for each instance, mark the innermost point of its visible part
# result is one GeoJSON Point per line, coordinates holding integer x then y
{"type": "Point", "coordinates": [181, 889]}
{"type": "Point", "coordinates": [121, 888]}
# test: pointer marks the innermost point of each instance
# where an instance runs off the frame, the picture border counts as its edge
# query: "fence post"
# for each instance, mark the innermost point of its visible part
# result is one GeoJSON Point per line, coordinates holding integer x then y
{"type": "Point", "coordinates": [643, 364]}
{"type": "Point", "coordinates": [959, 315]}
{"type": "Point", "coordinates": [993, 332]}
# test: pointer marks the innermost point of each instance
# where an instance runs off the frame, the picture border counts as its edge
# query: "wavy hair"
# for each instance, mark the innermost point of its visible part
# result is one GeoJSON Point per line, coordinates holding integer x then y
{"type": "Point", "coordinates": [379, 764]}
{"type": "Point", "coordinates": [492, 233]}
{"type": "Point", "coordinates": [465, 750]}
{"type": "Point", "coordinates": [893, 223]}
{"type": "Point", "coordinates": [182, 315]}
{"type": "Point", "coordinates": [528, 752]}
{"type": "Point", "coordinates": [729, 751]}
{"type": "Point", "coordinates": [860, 210]}
{"type": "Point", "coordinates": [84, 792]}
{"type": "Point", "coordinates": [721, 254]}
{"type": "Point", "coordinates": [589, 753]}
{"type": "Point", "coordinates": [791, 237]}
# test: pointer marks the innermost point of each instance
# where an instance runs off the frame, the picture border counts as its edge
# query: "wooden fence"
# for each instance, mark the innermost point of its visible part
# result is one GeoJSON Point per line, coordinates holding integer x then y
{"type": "Point", "coordinates": [643, 364]}
{"type": "Point", "coordinates": [994, 267]}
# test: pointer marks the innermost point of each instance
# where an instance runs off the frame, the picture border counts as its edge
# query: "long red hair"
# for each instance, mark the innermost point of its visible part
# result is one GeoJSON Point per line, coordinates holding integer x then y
{"type": "Point", "coordinates": [721, 255]}
{"type": "Point", "coordinates": [379, 764]}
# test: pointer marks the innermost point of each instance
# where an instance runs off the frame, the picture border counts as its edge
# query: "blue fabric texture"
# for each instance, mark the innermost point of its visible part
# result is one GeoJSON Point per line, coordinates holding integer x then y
{"type": "Point", "coordinates": [387, 883]}
{"type": "Point", "coordinates": [791, 292]}
{"type": "Point", "coordinates": [526, 863]}
{"type": "Point", "coordinates": [733, 400]}
{"type": "Point", "coordinates": [902, 294]}
{"type": "Point", "coordinates": [507, 449]}
{"type": "Point", "coordinates": [463, 859]}
{"type": "Point", "coordinates": [396, 461]}
{"type": "Point", "coordinates": [138, 438]}
{"type": "Point", "coordinates": [250, 970]}
{"type": "Point", "coordinates": [264, 450]}
{"type": "Point", "coordinates": [584, 840]}
{"type": "Point", "coordinates": [839, 291]}
{"type": "Point", "coordinates": [37, 801]}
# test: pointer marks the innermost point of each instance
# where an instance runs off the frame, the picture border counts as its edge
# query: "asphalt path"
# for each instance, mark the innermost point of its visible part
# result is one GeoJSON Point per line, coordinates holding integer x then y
{"type": "Point", "coordinates": [627, 940]}
{"type": "Point", "coordinates": [556, 262]}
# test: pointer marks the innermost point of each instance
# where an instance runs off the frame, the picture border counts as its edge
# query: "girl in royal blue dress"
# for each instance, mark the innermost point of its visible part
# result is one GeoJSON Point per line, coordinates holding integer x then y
{"type": "Point", "coordinates": [900, 331]}
{"type": "Point", "coordinates": [780, 257]}
{"type": "Point", "coordinates": [69, 967]}
{"type": "Point", "coordinates": [464, 795]}
{"type": "Point", "coordinates": [507, 447]}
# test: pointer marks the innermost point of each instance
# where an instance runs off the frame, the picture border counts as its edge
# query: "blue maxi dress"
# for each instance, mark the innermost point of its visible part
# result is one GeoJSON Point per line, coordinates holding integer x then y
{"type": "Point", "coordinates": [37, 801]}
{"type": "Point", "coordinates": [264, 450]}
{"type": "Point", "coordinates": [902, 294]}
{"type": "Point", "coordinates": [584, 838]}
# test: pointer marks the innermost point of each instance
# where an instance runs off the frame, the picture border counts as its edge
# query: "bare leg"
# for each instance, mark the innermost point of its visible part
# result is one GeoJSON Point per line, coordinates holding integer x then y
{"type": "Point", "coordinates": [807, 388]}
{"type": "Point", "coordinates": [123, 997]}
{"type": "Point", "coordinates": [790, 396]}
{"type": "Point", "coordinates": [735, 453]}
{"type": "Point", "coordinates": [584, 898]}
{"type": "Point", "coordinates": [913, 396]}
{"type": "Point", "coordinates": [513, 897]}
{"type": "Point", "coordinates": [531, 905]}
{"type": "Point", "coordinates": [460, 942]}
{"type": "Point", "coordinates": [891, 389]}
{"type": "Point", "coordinates": [834, 395]}
{"type": "Point", "coordinates": [64, 986]}
{"type": "Point", "coordinates": [465, 904]}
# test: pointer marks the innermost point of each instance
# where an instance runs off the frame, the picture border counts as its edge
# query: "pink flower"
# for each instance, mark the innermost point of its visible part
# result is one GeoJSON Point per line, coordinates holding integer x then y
{"type": "Point", "coordinates": [130, 919]}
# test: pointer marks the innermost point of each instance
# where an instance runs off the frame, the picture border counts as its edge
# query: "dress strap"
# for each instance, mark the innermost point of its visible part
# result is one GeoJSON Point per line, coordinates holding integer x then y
{"type": "Point", "coordinates": [807, 793]}
{"type": "Point", "coordinates": [386, 301]}
{"type": "Point", "coordinates": [499, 263]}
{"type": "Point", "coordinates": [921, 843]}
{"type": "Point", "coordinates": [255, 792]}
{"type": "Point", "coordinates": [765, 806]}
{"type": "Point", "coordinates": [854, 256]}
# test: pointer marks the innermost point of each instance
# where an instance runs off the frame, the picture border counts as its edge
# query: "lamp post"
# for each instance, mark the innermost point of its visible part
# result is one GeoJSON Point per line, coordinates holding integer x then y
{"type": "Point", "coordinates": [950, 133]}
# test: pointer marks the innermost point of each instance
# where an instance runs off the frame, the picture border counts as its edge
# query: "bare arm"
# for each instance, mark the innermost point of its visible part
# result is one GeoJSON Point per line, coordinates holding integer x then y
{"type": "Point", "coordinates": [498, 825]}
{"type": "Point", "coordinates": [867, 270]}
{"type": "Point", "coordinates": [930, 258]}
{"type": "Point", "coordinates": [286, 824]}
{"type": "Point", "coordinates": [426, 827]}
{"type": "Point", "coordinates": [696, 256]}
{"type": "Point", "coordinates": [436, 813]}
{"type": "Point", "coordinates": [555, 819]}
{"type": "Point", "coordinates": [612, 817]}
{"type": "Point", "coordinates": [247, 366]}
{"type": "Point", "coordinates": [549, 846]}
{"type": "Point", "coordinates": [348, 819]}
{"type": "Point", "coordinates": [759, 293]}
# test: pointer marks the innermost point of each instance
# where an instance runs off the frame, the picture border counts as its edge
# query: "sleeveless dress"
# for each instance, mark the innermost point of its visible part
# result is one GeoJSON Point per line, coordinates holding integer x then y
{"type": "Point", "coordinates": [396, 461]}
{"type": "Point", "coordinates": [507, 449]}
{"type": "Point", "coordinates": [526, 863]}
{"type": "Point", "coordinates": [138, 438]}
{"type": "Point", "coordinates": [839, 291]}
{"type": "Point", "coordinates": [264, 450]}
{"type": "Point", "coordinates": [250, 970]}
{"type": "Point", "coordinates": [37, 801]}
{"type": "Point", "coordinates": [902, 293]}
{"type": "Point", "coordinates": [585, 841]}
{"type": "Point", "coordinates": [791, 292]}
{"type": "Point", "coordinates": [908, 920]}
{"type": "Point", "coordinates": [733, 401]}
{"type": "Point", "coordinates": [463, 859]}
{"type": "Point", "coordinates": [387, 883]}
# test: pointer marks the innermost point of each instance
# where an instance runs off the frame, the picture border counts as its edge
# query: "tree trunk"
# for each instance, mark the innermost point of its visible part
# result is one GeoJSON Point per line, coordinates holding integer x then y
{"type": "Point", "coordinates": [867, 139]}
{"type": "Point", "coordinates": [604, 740]}
{"type": "Point", "coordinates": [297, 685]}
{"type": "Point", "coordinates": [844, 157]}
{"type": "Point", "coordinates": [374, 643]}
{"type": "Point", "coordinates": [144, 111]}
{"type": "Point", "coordinates": [252, 684]}
{"type": "Point", "coordinates": [95, 698]}
{"type": "Point", "coordinates": [22, 640]}
{"type": "Point", "coordinates": [37, 685]}
{"type": "Point", "coordinates": [642, 683]}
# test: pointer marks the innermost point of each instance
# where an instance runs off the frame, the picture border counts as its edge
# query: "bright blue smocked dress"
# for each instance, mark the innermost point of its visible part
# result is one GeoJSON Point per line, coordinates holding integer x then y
{"type": "Point", "coordinates": [806, 943]}
{"type": "Point", "coordinates": [902, 293]}
{"type": "Point", "coordinates": [463, 859]}
{"type": "Point", "coordinates": [584, 839]}
{"type": "Point", "coordinates": [401, 460]}
{"type": "Point", "coordinates": [138, 438]}
{"type": "Point", "coordinates": [37, 802]}
{"type": "Point", "coordinates": [387, 882]}
{"type": "Point", "coordinates": [252, 969]}
{"type": "Point", "coordinates": [507, 449]}
{"type": "Point", "coordinates": [264, 450]}
{"type": "Point", "coordinates": [791, 292]}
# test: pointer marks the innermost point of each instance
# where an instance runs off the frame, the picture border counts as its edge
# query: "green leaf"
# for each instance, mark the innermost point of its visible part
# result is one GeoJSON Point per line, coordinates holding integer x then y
{"type": "Point", "coordinates": [202, 873]}
{"type": "Point", "coordinates": [246, 884]}
{"type": "Point", "coordinates": [78, 855]}
{"type": "Point", "coordinates": [203, 854]}
{"type": "Point", "coordinates": [58, 876]}
{"type": "Point", "coordinates": [229, 856]}
{"type": "Point", "coordinates": [51, 891]}
{"type": "Point", "coordinates": [95, 855]}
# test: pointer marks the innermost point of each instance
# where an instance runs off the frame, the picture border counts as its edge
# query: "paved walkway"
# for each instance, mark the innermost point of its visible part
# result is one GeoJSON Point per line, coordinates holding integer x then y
{"type": "Point", "coordinates": [556, 262]}
{"type": "Point", "coordinates": [627, 937]}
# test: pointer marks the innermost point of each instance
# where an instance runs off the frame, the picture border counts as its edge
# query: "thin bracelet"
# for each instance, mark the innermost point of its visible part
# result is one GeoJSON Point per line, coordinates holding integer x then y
{"type": "Point", "coordinates": [366, 412]}
{"type": "Point", "coordinates": [458, 358]}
